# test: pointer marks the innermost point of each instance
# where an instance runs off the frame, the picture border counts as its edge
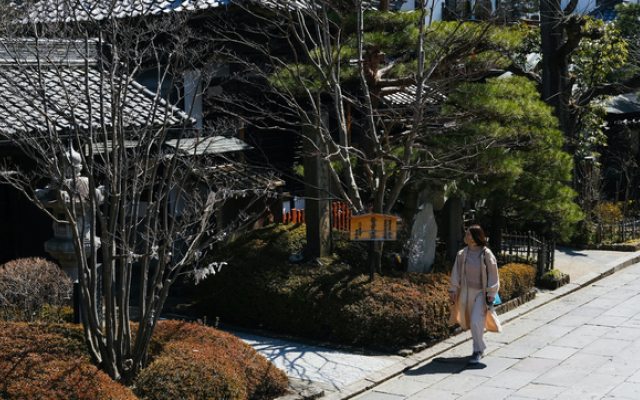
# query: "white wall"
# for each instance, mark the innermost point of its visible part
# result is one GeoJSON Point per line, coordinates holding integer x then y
{"type": "Point", "coordinates": [437, 7]}
{"type": "Point", "coordinates": [584, 6]}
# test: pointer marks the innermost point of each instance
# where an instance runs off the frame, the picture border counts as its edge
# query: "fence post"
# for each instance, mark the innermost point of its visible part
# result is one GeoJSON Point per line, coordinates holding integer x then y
{"type": "Point", "coordinates": [542, 254]}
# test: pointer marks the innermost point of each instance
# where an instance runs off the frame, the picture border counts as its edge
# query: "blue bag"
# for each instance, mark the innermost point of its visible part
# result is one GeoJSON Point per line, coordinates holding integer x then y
{"type": "Point", "coordinates": [495, 301]}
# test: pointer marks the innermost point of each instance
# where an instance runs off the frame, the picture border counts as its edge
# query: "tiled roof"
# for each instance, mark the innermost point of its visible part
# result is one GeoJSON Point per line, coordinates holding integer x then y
{"type": "Point", "coordinates": [407, 96]}
{"type": "Point", "coordinates": [209, 145]}
{"type": "Point", "coordinates": [623, 104]}
{"type": "Point", "coordinates": [61, 52]}
{"type": "Point", "coordinates": [98, 10]}
{"type": "Point", "coordinates": [72, 10]}
{"type": "Point", "coordinates": [67, 101]}
{"type": "Point", "coordinates": [187, 146]}
{"type": "Point", "coordinates": [238, 176]}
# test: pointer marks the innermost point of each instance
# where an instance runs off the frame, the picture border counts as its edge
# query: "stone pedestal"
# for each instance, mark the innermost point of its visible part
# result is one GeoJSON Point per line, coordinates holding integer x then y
{"type": "Point", "coordinates": [61, 246]}
{"type": "Point", "coordinates": [64, 251]}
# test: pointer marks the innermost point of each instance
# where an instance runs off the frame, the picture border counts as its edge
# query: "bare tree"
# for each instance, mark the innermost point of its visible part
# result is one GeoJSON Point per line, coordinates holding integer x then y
{"type": "Point", "coordinates": [129, 175]}
{"type": "Point", "coordinates": [368, 88]}
{"type": "Point", "coordinates": [31, 286]}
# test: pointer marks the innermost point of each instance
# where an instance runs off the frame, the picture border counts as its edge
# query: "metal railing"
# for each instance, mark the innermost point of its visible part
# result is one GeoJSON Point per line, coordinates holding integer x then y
{"type": "Point", "coordinates": [628, 228]}
{"type": "Point", "coordinates": [526, 247]}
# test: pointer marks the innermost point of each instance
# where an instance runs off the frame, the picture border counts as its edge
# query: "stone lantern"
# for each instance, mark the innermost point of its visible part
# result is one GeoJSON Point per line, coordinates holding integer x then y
{"type": "Point", "coordinates": [62, 246]}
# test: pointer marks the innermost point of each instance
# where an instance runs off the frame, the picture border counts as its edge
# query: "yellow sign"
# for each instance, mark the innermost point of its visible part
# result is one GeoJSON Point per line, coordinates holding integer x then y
{"type": "Point", "coordinates": [374, 227]}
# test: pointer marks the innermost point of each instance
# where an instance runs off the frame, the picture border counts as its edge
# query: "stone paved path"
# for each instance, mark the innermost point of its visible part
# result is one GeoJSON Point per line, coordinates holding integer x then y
{"type": "Point", "coordinates": [585, 345]}
{"type": "Point", "coordinates": [578, 263]}
{"type": "Point", "coordinates": [314, 363]}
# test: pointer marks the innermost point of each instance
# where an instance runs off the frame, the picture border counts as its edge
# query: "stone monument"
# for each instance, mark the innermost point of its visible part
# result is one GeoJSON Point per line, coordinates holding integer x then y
{"type": "Point", "coordinates": [424, 232]}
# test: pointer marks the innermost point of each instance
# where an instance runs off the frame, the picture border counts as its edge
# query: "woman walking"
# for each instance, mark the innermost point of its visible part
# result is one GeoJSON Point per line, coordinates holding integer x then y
{"type": "Point", "coordinates": [475, 283]}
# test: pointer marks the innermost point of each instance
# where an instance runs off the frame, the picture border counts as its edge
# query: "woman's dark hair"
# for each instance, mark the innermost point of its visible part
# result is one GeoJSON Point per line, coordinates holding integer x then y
{"type": "Point", "coordinates": [478, 235]}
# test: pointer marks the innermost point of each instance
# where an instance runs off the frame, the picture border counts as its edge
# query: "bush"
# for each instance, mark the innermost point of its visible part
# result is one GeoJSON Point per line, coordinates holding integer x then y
{"type": "Point", "coordinates": [395, 310]}
{"type": "Point", "coordinates": [608, 213]}
{"type": "Point", "coordinates": [33, 289]}
{"type": "Point", "coordinates": [553, 279]}
{"type": "Point", "coordinates": [516, 280]}
{"type": "Point", "coordinates": [190, 361]}
{"type": "Point", "coordinates": [40, 361]}
{"type": "Point", "coordinates": [390, 311]}
{"type": "Point", "coordinates": [262, 289]}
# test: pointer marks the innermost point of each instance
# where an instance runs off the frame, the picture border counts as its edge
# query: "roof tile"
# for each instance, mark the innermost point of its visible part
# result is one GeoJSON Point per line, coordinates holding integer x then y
{"type": "Point", "coordinates": [68, 102]}
{"type": "Point", "coordinates": [65, 10]}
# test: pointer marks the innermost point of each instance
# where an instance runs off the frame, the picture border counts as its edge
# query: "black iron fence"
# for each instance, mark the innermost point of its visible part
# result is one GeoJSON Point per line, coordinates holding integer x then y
{"type": "Point", "coordinates": [527, 248]}
{"type": "Point", "coordinates": [628, 228]}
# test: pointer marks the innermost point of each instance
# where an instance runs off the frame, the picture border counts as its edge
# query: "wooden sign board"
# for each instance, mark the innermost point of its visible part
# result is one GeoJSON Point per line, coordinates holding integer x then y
{"type": "Point", "coordinates": [374, 227]}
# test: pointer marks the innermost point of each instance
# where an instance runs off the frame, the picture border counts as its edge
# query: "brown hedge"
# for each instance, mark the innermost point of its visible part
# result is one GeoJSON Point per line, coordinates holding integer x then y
{"type": "Point", "coordinates": [190, 361]}
{"type": "Point", "coordinates": [335, 301]}
{"type": "Point", "coordinates": [40, 361]}
{"type": "Point", "coordinates": [345, 307]}
{"type": "Point", "coordinates": [516, 280]}
{"type": "Point", "coordinates": [260, 288]}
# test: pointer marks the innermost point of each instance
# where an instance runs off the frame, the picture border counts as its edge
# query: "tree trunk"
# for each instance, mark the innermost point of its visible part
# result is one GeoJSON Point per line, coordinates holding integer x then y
{"type": "Point", "coordinates": [556, 88]}
{"type": "Point", "coordinates": [318, 204]}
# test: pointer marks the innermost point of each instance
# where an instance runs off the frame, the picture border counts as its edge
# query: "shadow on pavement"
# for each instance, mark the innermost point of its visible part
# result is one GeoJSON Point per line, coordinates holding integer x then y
{"type": "Point", "coordinates": [571, 252]}
{"type": "Point", "coordinates": [441, 365]}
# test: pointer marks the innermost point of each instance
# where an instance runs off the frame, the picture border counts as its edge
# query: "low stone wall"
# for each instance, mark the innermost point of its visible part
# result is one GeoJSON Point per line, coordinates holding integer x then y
{"type": "Point", "coordinates": [610, 247]}
{"type": "Point", "coordinates": [517, 302]}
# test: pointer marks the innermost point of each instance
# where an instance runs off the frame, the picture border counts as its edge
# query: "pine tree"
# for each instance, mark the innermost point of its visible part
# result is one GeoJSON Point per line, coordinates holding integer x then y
{"type": "Point", "coordinates": [522, 181]}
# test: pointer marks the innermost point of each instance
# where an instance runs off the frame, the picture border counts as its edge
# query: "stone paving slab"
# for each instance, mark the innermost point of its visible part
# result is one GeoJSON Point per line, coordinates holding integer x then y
{"type": "Point", "coordinates": [318, 364]}
{"type": "Point", "coordinates": [582, 360]}
{"type": "Point", "coordinates": [338, 375]}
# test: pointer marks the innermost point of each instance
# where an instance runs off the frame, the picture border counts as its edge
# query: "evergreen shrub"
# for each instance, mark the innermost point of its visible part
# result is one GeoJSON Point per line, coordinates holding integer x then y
{"type": "Point", "coordinates": [333, 301]}
{"type": "Point", "coordinates": [50, 361]}
{"type": "Point", "coordinates": [190, 361]}
{"type": "Point", "coordinates": [553, 279]}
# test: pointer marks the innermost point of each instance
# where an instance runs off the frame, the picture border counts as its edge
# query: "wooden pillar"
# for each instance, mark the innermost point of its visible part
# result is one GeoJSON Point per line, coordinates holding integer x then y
{"type": "Point", "coordinates": [276, 208]}
{"type": "Point", "coordinates": [316, 188]}
{"type": "Point", "coordinates": [453, 220]}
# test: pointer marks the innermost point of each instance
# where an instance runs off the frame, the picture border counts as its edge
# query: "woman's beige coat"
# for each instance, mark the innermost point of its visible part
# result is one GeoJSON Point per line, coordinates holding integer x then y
{"type": "Point", "coordinates": [490, 282]}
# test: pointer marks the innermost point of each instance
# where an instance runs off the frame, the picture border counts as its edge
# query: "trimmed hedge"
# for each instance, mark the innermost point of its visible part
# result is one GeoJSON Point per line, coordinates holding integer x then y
{"type": "Point", "coordinates": [40, 361]}
{"type": "Point", "coordinates": [190, 361]}
{"type": "Point", "coordinates": [516, 280]}
{"type": "Point", "coordinates": [259, 288]}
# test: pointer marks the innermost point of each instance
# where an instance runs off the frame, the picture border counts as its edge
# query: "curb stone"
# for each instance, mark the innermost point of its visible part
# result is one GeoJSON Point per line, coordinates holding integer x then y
{"type": "Point", "coordinates": [412, 361]}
